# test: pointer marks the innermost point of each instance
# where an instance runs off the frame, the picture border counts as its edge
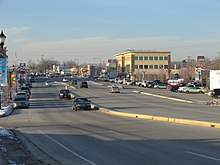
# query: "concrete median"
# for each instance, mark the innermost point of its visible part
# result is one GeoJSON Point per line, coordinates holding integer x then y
{"type": "Point", "coordinates": [162, 119]}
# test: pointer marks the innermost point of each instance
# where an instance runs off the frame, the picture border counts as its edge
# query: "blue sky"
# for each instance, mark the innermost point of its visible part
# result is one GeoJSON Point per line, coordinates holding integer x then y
{"type": "Point", "coordinates": [87, 29]}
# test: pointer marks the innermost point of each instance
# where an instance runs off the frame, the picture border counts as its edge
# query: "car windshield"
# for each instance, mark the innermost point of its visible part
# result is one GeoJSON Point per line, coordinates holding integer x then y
{"type": "Point", "coordinates": [25, 88]}
{"type": "Point", "coordinates": [65, 91]}
{"type": "Point", "coordinates": [20, 99]}
{"type": "Point", "coordinates": [21, 93]}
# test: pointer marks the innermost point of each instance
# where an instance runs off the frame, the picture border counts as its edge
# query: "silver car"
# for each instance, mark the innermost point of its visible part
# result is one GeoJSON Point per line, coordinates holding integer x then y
{"type": "Point", "coordinates": [21, 102]}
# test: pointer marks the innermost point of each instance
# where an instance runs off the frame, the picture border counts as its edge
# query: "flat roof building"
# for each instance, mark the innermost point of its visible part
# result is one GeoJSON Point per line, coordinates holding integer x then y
{"type": "Point", "coordinates": [143, 64]}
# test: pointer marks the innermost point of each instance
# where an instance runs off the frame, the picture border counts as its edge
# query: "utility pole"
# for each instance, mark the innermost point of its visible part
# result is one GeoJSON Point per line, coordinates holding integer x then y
{"type": "Point", "coordinates": [188, 68]}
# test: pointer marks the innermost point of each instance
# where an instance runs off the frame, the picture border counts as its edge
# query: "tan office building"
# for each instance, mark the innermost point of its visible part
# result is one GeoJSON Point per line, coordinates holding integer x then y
{"type": "Point", "coordinates": [143, 65]}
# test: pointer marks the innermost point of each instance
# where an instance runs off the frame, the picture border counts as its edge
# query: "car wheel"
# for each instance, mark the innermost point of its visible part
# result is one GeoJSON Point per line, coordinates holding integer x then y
{"type": "Point", "coordinates": [200, 92]}
{"type": "Point", "coordinates": [187, 91]}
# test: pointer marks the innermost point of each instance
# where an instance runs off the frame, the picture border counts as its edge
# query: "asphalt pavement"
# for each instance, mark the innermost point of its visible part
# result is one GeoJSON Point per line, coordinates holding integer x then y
{"type": "Point", "coordinates": [9, 144]}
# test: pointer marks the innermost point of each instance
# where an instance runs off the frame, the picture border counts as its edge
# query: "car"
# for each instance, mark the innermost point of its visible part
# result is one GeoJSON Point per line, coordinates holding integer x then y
{"type": "Point", "coordinates": [161, 86]}
{"type": "Point", "coordinates": [65, 80]}
{"type": "Point", "coordinates": [26, 89]}
{"type": "Point", "coordinates": [32, 80]}
{"type": "Point", "coordinates": [29, 84]}
{"type": "Point", "coordinates": [48, 83]}
{"type": "Point", "coordinates": [215, 93]}
{"type": "Point", "coordinates": [81, 103]}
{"type": "Point", "coordinates": [84, 84]}
{"type": "Point", "coordinates": [65, 93]}
{"type": "Point", "coordinates": [115, 89]}
{"type": "Point", "coordinates": [21, 102]}
{"type": "Point", "coordinates": [194, 90]}
{"type": "Point", "coordinates": [74, 82]}
{"type": "Point", "coordinates": [23, 94]}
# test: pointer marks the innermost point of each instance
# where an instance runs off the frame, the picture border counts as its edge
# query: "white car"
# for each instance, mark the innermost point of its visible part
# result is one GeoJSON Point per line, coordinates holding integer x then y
{"type": "Point", "coordinates": [65, 80]}
{"type": "Point", "coordinates": [48, 83]}
{"type": "Point", "coordinates": [115, 89]}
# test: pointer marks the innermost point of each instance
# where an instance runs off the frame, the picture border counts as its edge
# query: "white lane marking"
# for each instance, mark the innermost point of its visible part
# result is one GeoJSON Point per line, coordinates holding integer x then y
{"type": "Point", "coordinates": [74, 153]}
{"type": "Point", "coordinates": [204, 156]}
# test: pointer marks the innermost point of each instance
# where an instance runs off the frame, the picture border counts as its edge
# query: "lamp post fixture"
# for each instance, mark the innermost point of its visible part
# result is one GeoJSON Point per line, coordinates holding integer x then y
{"type": "Point", "coordinates": [2, 40]}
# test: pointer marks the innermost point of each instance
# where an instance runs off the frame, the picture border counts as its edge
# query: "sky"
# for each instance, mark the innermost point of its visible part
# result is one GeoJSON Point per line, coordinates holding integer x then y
{"type": "Point", "coordinates": [90, 31]}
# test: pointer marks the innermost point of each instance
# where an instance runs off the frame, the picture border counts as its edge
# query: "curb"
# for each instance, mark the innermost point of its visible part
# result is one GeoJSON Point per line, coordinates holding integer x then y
{"type": "Point", "coordinates": [163, 119]}
{"type": "Point", "coordinates": [164, 97]}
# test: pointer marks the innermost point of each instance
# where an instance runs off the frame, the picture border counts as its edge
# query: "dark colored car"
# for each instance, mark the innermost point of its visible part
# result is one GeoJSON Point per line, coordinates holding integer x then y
{"type": "Point", "coordinates": [215, 93]}
{"type": "Point", "coordinates": [29, 85]}
{"type": "Point", "coordinates": [74, 82]}
{"type": "Point", "coordinates": [32, 80]}
{"type": "Point", "coordinates": [84, 84]}
{"type": "Point", "coordinates": [81, 103]}
{"type": "Point", "coordinates": [26, 89]}
{"type": "Point", "coordinates": [64, 93]}
{"type": "Point", "coordinates": [21, 102]}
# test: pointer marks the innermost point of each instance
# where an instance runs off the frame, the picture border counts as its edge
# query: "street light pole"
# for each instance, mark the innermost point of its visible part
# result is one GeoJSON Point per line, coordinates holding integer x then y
{"type": "Point", "coordinates": [77, 64]}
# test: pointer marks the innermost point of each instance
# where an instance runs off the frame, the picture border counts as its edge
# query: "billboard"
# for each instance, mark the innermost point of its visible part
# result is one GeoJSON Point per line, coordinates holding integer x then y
{"type": "Point", "coordinates": [200, 58]}
{"type": "Point", "coordinates": [3, 72]}
{"type": "Point", "coordinates": [214, 79]}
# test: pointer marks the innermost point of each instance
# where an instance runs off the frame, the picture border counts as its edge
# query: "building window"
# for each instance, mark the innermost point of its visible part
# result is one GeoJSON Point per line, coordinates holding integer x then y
{"type": "Point", "coordinates": [166, 58]}
{"type": "Point", "coordinates": [136, 66]}
{"type": "Point", "coordinates": [145, 66]}
{"type": "Point", "coordinates": [140, 66]}
{"type": "Point", "coordinates": [140, 57]}
{"type": "Point", "coordinates": [155, 66]}
{"type": "Point", "coordinates": [161, 66]}
{"type": "Point", "coordinates": [155, 58]}
{"type": "Point", "coordinates": [165, 66]}
{"type": "Point", "coordinates": [145, 57]}
{"type": "Point", "coordinates": [161, 58]}
{"type": "Point", "coordinates": [135, 57]}
{"type": "Point", "coordinates": [151, 67]}
{"type": "Point", "coordinates": [151, 58]}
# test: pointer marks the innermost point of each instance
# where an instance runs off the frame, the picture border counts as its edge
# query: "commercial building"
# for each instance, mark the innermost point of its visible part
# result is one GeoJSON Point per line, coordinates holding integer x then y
{"type": "Point", "coordinates": [143, 64]}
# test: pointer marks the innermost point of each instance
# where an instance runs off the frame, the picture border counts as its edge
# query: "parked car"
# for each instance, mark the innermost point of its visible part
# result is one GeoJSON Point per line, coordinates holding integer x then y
{"type": "Point", "coordinates": [194, 90]}
{"type": "Point", "coordinates": [161, 86]}
{"type": "Point", "coordinates": [65, 80]}
{"type": "Point", "coordinates": [21, 102]}
{"type": "Point", "coordinates": [84, 84]}
{"type": "Point", "coordinates": [81, 103]}
{"type": "Point", "coordinates": [48, 83]}
{"type": "Point", "coordinates": [215, 93]}
{"type": "Point", "coordinates": [65, 93]}
{"type": "Point", "coordinates": [114, 89]}
{"type": "Point", "coordinates": [181, 89]}
{"type": "Point", "coordinates": [29, 84]}
{"type": "Point", "coordinates": [25, 89]}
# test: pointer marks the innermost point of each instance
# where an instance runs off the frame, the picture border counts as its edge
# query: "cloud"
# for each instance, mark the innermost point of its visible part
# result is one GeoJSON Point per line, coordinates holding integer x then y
{"type": "Point", "coordinates": [17, 30]}
{"type": "Point", "coordinates": [86, 49]}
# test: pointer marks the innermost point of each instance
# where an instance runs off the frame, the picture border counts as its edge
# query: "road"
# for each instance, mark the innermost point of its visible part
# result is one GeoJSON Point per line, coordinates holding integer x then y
{"type": "Point", "coordinates": [92, 137]}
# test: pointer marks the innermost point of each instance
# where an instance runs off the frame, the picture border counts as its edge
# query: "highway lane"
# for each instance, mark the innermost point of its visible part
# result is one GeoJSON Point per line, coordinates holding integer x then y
{"type": "Point", "coordinates": [91, 137]}
{"type": "Point", "coordinates": [128, 101]}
